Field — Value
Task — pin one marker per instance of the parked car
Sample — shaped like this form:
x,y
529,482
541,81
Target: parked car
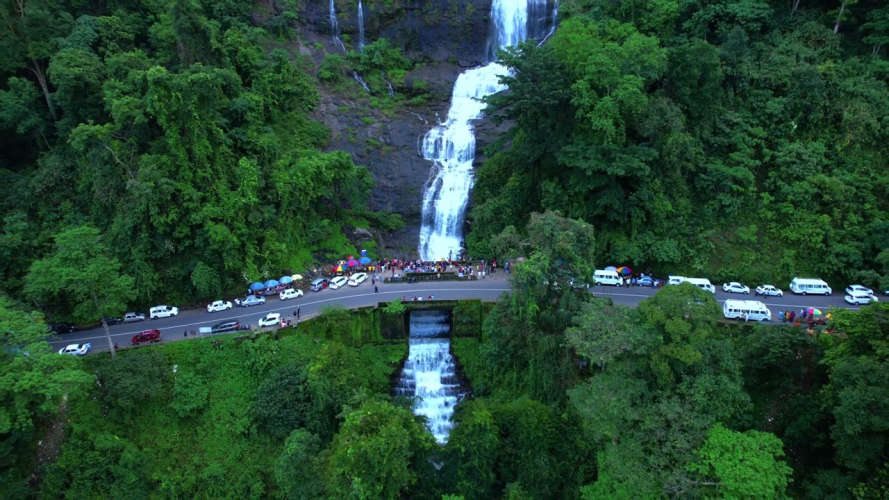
x,y
771,290
226,326
647,281
162,312
851,289
735,287
113,321
859,297
218,305
319,284
147,336
338,282
76,349
357,279
270,319
290,293
62,327
250,300
131,317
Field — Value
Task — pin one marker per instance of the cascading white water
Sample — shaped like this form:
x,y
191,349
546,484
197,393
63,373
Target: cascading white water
x,y
451,145
360,26
335,27
429,373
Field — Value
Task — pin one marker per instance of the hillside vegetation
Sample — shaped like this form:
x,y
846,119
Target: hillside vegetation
x,y
181,131
736,139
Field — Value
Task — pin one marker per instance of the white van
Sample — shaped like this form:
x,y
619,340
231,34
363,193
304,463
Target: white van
x,y
805,286
675,280
702,283
747,310
604,277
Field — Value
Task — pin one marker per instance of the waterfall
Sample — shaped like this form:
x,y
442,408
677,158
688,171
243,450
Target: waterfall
x,y
429,374
360,26
360,81
335,27
451,144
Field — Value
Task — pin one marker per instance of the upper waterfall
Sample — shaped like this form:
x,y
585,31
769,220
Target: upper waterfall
x,y
451,144
360,26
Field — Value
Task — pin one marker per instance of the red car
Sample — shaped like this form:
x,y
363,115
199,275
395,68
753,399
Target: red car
x,y
147,336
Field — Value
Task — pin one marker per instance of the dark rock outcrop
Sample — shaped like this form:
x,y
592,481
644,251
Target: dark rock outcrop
x,y
442,30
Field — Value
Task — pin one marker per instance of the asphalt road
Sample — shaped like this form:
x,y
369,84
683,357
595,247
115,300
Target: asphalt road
x,y
311,303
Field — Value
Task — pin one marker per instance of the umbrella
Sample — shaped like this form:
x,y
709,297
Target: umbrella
x,y
286,280
624,270
352,262
364,253
339,267
365,260
815,312
297,277
611,268
271,283
256,286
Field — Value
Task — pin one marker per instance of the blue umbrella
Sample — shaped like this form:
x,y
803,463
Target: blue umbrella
x,y
364,260
256,286
271,283
286,280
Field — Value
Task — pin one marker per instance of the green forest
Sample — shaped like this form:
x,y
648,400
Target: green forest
x,y
181,131
734,139
573,397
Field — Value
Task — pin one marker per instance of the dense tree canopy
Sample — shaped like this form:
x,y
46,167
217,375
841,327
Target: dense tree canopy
x,y
734,139
177,132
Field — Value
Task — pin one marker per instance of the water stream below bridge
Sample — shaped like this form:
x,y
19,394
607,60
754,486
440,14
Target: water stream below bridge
x,y
429,375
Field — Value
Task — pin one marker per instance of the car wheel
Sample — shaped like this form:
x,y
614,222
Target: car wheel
x,y
804,293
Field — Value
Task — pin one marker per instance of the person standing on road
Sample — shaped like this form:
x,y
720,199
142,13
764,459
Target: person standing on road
x,y
376,290
297,312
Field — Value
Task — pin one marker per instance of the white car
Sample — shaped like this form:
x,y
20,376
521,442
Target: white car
x,y
270,319
357,279
859,298
735,287
290,293
338,282
218,305
131,317
852,289
769,290
76,349
162,312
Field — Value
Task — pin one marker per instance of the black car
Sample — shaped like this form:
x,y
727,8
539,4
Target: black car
x,y
226,326
61,328
113,321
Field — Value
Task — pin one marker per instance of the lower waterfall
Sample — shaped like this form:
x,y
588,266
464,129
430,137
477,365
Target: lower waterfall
x,y
429,374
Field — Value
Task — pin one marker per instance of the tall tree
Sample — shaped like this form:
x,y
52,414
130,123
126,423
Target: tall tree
x,y
742,464
81,273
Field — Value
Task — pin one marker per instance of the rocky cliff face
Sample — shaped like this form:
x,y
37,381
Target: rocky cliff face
x,y
446,36
441,30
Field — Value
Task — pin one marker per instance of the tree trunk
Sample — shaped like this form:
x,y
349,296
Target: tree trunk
x,y
795,7
41,80
108,338
105,327
836,27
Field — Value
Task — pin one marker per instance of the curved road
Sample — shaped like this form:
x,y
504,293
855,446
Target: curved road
x,y
310,304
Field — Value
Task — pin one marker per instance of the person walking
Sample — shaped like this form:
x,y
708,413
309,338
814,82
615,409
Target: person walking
x,y
297,313
376,290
